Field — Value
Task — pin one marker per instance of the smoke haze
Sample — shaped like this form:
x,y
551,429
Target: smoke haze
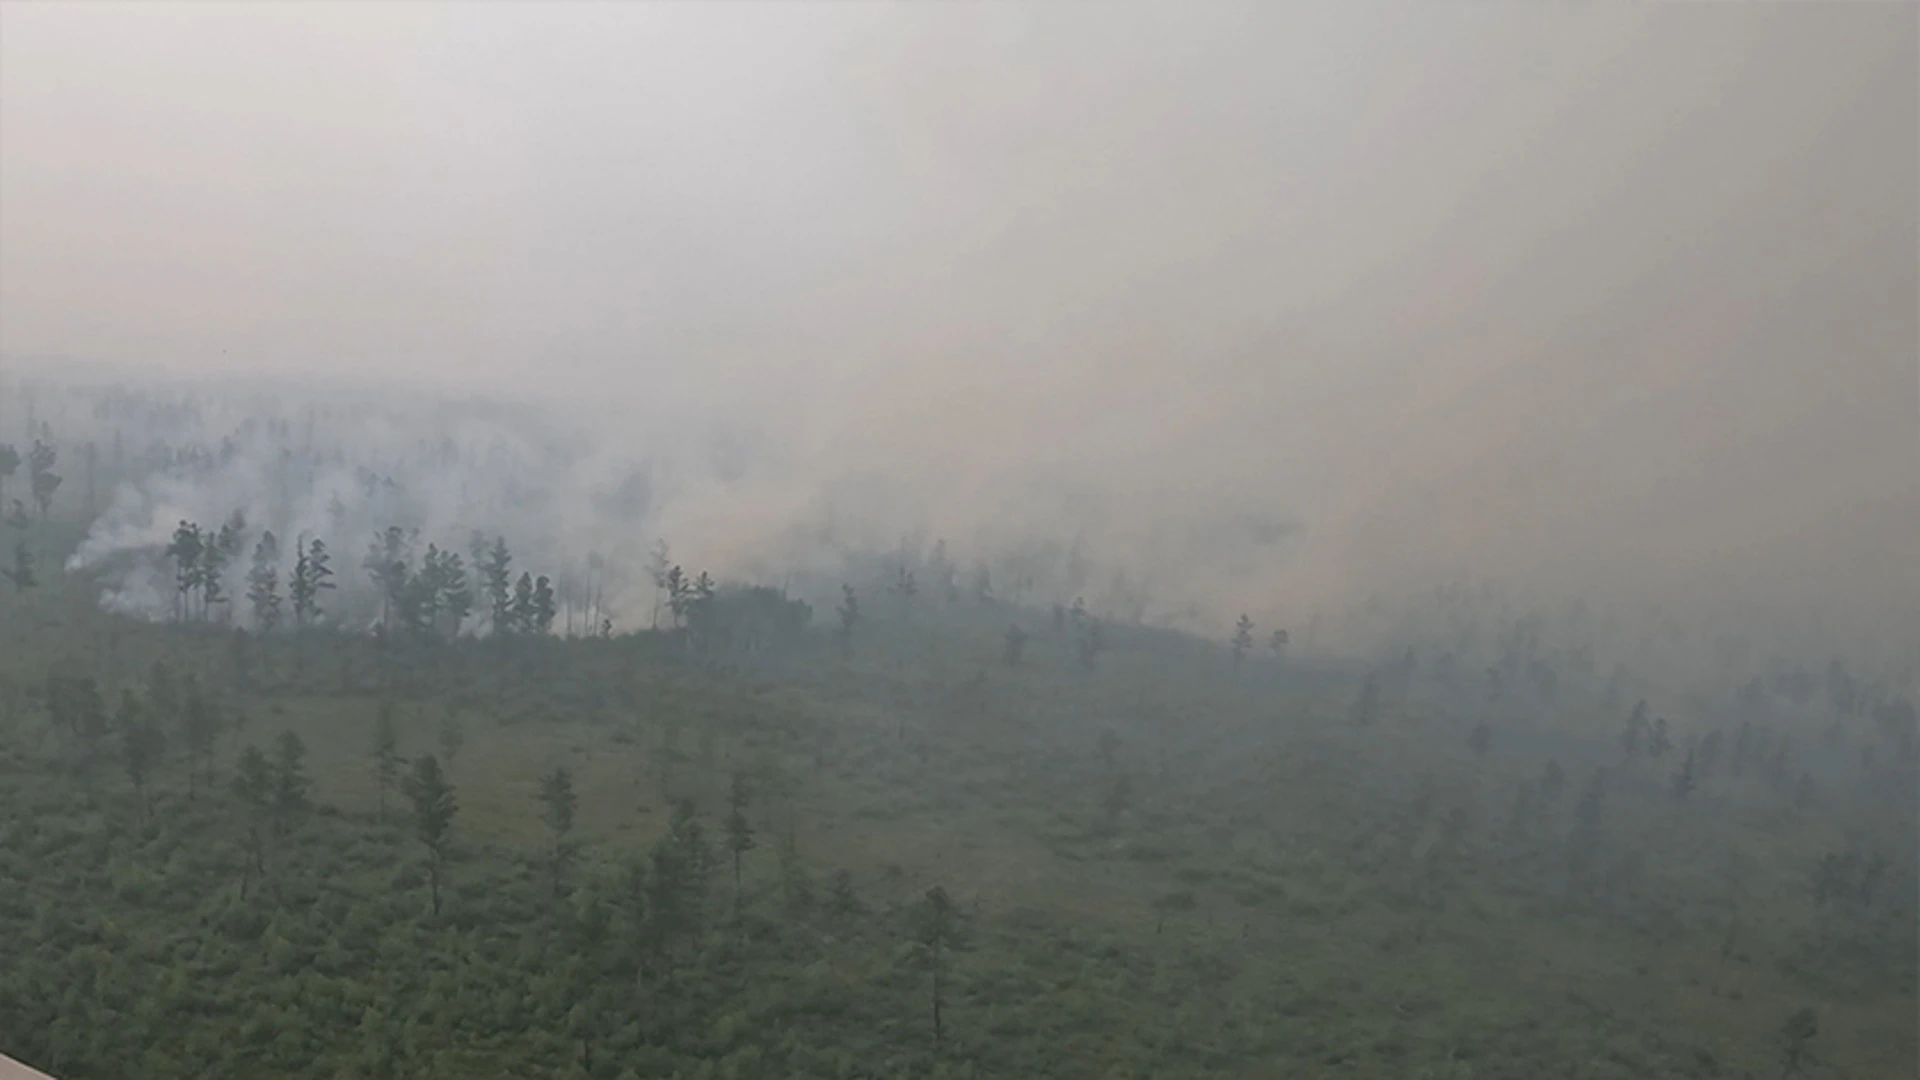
x,y
1272,307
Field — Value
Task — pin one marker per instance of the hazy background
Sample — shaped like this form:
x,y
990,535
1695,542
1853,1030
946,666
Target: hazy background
x,y
1276,305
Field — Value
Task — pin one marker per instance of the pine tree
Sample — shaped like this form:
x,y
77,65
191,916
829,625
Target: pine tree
x,y
558,805
936,934
433,810
849,612
287,783
42,479
543,609
263,583
521,617
1016,645
1242,639
254,784
496,576
739,832
185,551
142,744
386,751
22,573
1683,780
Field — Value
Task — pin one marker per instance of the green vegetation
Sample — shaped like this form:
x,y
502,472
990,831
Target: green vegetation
x,y
914,842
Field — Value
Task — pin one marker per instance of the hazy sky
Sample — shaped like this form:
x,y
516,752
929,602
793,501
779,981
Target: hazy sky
x,y
1609,294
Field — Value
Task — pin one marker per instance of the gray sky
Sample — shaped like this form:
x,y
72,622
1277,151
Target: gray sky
x,y
1609,295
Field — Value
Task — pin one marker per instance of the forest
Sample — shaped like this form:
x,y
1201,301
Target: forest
x,y
327,757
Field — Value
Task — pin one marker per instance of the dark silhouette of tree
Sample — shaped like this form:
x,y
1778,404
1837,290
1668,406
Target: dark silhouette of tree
x,y
9,464
1708,755
907,588
1366,707
386,751
1115,800
199,729
1277,643
287,799
982,585
189,572
936,934
388,564
1660,742
659,562
1583,845
841,899
1796,1033
681,862
427,789
520,617
543,609
42,480
1242,639
496,581
312,574
1684,780
558,805
22,572
1480,740
142,745
1090,639
452,737
739,831
213,568
255,785
849,612
1633,740
1015,645
263,583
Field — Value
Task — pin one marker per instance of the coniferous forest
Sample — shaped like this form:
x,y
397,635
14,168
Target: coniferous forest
x,y
378,802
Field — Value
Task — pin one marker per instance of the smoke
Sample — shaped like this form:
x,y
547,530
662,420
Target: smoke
x,y
1250,308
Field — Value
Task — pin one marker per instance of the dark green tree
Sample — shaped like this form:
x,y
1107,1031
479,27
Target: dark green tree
x,y
142,744
1683,779
254,784
558,804
849,612
9,464
1634,739
433,809
263,583
199,730
1242,639
1796,1035
386,751
42,479
22,573
1015,645
287,783
189,573
1277,643
936,934
739,832
453,736
1660,741
496,578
